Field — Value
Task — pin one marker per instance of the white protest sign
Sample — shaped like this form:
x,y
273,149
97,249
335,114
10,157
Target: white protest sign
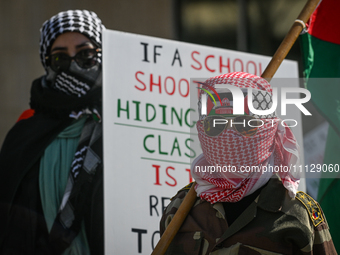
x,y
147,142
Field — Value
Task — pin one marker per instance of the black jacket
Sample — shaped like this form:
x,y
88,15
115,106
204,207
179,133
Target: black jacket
x,y
23,229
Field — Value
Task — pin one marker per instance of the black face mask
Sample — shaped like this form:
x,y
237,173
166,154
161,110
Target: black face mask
x,y
75,81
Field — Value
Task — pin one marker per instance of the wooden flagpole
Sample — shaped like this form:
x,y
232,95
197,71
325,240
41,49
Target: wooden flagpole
x,y
279,56
289,39
176,222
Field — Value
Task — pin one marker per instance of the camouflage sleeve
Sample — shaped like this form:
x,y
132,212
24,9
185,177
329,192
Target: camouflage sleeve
x,y
292,227
322,242
183,241
171,209
200,230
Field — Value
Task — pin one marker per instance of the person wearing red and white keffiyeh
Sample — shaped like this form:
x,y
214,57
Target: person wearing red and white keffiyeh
x,y
258,211
273,144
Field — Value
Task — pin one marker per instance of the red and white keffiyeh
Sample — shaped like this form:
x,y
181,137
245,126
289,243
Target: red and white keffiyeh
x,y
272,145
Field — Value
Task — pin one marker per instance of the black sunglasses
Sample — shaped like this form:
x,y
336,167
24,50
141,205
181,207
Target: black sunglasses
x,y
86,58
214,125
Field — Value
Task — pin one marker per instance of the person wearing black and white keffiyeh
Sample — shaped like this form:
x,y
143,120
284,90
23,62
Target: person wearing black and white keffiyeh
x,y
51,167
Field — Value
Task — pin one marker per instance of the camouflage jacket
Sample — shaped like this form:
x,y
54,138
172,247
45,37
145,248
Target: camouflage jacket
x,y
273,223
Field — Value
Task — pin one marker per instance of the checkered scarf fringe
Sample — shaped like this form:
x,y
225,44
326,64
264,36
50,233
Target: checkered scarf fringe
x,y
87,161
82,21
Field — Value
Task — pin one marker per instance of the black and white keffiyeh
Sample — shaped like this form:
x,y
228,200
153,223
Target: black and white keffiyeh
x,y
75,81
82,21
88,158
71,85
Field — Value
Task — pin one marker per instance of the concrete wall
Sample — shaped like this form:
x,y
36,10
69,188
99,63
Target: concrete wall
x,y
20,21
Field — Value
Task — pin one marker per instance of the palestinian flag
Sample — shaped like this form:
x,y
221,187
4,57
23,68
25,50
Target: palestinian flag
x,y
321,53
